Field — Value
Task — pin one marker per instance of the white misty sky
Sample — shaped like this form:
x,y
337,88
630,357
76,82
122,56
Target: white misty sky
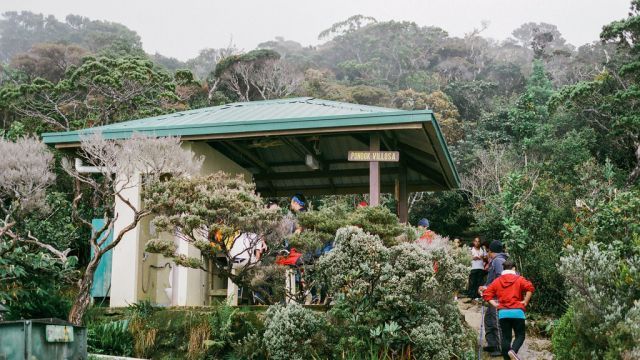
x,y
181,28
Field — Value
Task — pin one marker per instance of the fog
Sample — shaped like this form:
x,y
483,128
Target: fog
x,y
181,28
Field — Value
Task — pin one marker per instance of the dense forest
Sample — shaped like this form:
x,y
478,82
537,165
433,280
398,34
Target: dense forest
x,y
545,136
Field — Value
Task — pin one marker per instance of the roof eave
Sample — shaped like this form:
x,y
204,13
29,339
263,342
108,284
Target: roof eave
x,y
241,127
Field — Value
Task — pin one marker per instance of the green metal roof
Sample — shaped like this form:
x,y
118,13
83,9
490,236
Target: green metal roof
x,y
255,116
286,117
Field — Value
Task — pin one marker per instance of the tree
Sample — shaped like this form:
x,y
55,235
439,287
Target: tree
x,y
25,174
322,84
444,110
49,61
381,53
120,165
205,63
626,33
98,92
608,105
472,98
353,23
34,260
297,55
189,91
539,37
219,214
256,75
170,64
19,31
530,117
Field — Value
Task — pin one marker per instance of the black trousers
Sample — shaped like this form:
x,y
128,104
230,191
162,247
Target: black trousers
x,y
491,330
476,279
507,327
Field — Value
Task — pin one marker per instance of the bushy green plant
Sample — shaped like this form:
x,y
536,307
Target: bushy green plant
x,y
221,324
293,332
380,221
321,225
111,338
378,289
602,271
250,348
142,328
565,339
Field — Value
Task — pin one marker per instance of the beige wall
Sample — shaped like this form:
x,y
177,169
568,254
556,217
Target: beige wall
x,y
215,161
125,266
154,269
134,279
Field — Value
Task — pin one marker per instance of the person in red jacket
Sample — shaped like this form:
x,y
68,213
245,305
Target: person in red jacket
x,y
510,294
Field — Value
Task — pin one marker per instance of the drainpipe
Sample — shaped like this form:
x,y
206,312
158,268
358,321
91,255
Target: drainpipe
x,y
87,169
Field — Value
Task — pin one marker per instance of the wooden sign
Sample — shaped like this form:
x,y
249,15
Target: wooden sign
x,y
386,156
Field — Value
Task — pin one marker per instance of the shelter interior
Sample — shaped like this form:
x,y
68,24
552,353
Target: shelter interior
x,y
285,146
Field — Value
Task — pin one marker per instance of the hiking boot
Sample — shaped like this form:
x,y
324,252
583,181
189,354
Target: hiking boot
x,y
495,353
489,348
512,355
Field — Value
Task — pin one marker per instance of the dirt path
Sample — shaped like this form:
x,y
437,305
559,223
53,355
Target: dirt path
x,y
533,348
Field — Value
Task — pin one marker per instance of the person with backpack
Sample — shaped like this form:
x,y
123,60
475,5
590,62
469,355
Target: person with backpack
x,y
510,294
491,330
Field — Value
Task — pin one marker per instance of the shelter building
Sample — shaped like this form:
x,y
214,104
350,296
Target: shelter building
x,y
285,146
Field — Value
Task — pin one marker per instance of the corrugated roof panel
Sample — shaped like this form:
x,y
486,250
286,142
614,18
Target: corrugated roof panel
x,y
270,115
259,125
254,110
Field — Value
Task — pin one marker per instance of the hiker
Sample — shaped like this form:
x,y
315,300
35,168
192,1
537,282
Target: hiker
x,y
424,234
425,240
477,273
513,293
289,222
491,331
288,256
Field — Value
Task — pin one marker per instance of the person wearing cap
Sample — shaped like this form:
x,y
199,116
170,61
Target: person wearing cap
x,y
491,327
297,205
513,293
425,235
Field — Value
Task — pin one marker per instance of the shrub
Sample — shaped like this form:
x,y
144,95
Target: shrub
x,y
220,329
292,332
431,342
601,267
378,289
565,339
321,225
112,338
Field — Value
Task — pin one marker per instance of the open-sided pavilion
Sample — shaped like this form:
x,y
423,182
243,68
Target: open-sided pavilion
x,y
285,146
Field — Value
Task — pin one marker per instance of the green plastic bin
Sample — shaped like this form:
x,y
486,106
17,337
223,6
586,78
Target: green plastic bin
x,y
42,339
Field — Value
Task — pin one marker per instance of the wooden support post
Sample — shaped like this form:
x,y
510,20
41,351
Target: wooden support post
x,y
290,286
232,290
402,195
374,172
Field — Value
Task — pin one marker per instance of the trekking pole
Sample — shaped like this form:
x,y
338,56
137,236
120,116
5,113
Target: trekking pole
x,y
481,331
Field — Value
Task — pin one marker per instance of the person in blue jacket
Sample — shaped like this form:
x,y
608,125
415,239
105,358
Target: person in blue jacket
x,y
497,257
